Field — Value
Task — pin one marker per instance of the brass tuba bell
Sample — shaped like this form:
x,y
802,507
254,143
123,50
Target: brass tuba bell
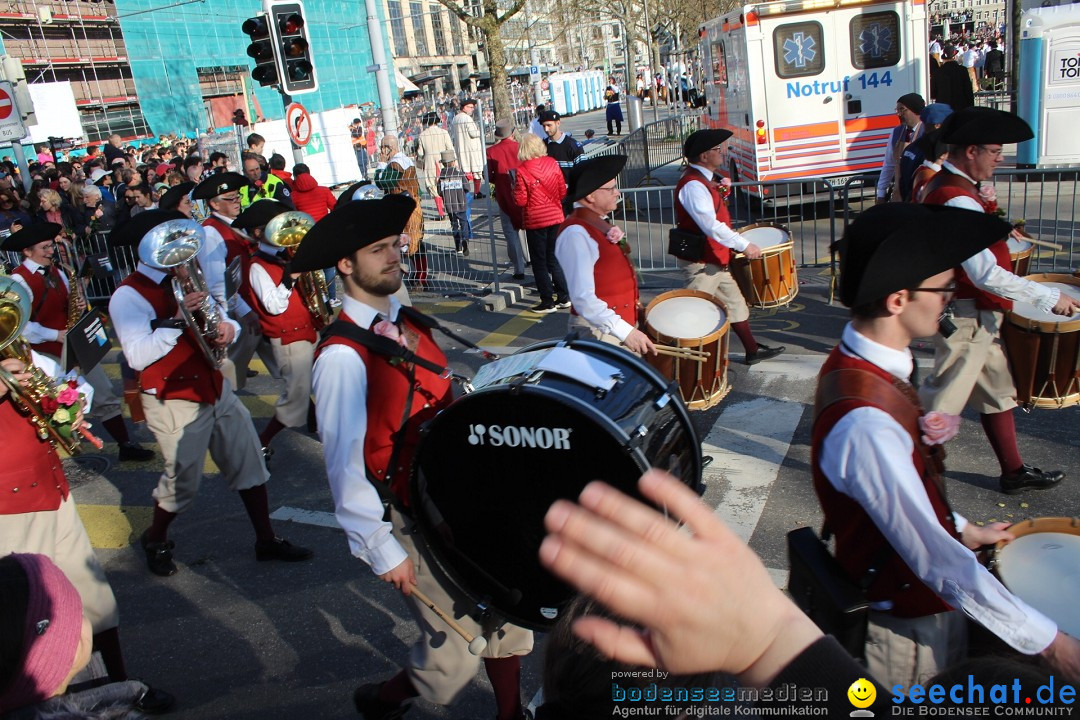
x,y
286,231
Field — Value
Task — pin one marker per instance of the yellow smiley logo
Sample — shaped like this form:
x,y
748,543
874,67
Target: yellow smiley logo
x,y
862,693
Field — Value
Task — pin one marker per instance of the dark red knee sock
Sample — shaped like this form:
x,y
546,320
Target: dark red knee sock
x,y
117,429
505,676
258,509
107,643
272,428
1000,430
478,181
746,337
397,689
159,528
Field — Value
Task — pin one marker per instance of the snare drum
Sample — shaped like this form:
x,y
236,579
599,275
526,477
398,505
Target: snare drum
x,y
539,426
1020,252
769,281
1042,567
1044,350
698,321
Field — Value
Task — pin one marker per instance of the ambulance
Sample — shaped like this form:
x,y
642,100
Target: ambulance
x,y
809,87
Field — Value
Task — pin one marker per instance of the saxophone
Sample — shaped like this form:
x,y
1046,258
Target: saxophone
x,y
77,304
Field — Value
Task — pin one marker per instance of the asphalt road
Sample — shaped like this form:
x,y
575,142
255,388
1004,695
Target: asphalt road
x,y
233,638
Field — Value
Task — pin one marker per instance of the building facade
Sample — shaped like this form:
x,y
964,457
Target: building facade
x,y
433,48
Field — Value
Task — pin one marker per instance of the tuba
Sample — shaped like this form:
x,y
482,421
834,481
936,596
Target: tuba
x,y
286,231
14,312
173,245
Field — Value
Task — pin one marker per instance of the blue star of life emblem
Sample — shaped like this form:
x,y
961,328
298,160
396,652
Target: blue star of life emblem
x,y
799,50
875,40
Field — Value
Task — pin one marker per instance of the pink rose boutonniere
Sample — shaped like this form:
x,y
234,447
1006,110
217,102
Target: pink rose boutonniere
x,y
387,329
939,428
725,188
615,234
988,196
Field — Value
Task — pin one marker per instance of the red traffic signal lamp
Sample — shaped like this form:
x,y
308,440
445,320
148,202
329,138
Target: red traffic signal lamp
x,y
296,66
261,50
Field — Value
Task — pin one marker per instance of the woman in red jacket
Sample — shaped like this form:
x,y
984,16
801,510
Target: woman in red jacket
x,y
540,188
317,201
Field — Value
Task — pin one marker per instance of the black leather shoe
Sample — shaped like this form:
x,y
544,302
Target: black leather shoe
x,y
135,453
278,549
252,373
158,555
1029,478
764,352
367,702
155,701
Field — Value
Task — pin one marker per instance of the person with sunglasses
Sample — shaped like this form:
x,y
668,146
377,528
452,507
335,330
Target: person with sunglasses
x,y
877,462
970,368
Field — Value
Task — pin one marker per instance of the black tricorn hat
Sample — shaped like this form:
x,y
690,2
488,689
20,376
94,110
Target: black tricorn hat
x,y
589,175
170,199
702,140
259,213
133,231
931,145
350,227
31,235
219,184
896,246
981,125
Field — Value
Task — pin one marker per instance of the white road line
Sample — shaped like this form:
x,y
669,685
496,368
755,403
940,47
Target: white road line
x,y
307,517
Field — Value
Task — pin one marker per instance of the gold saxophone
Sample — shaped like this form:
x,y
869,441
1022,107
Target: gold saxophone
x,y
14,312
77,303
286,231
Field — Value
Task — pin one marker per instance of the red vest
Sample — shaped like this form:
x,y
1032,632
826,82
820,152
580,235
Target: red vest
x,y
613,274
49,307
295,323
31,478
183,373
859,543
945,186
387,389
715,253
236,246
919,180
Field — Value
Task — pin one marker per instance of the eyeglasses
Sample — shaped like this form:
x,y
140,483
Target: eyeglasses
x,y
613,188
230,199
996,153
949,289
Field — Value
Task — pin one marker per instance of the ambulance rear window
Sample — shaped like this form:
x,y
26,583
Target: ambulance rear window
x,y
875,40
799,49
720,64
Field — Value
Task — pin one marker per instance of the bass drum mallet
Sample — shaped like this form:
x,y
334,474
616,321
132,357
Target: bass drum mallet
x,y
477,643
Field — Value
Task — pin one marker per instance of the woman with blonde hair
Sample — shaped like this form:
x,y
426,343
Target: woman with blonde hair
x,y
539,189
396,175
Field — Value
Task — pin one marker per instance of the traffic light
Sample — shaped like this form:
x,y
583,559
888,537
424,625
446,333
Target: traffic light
x,y
262,50
295,64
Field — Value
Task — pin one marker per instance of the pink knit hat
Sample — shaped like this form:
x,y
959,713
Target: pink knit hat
x,y
51,639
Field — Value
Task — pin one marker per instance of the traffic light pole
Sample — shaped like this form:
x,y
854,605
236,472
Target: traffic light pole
x,y
297,151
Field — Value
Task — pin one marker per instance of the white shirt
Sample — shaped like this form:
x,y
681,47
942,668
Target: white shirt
x,y
968,58
35,332
859,457
274,297
212,261
986,274
697,201
577,254
131,314
52,368
339,381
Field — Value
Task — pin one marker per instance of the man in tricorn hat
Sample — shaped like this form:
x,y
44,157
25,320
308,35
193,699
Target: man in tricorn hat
x,y
970,366
225,244
596,260
188,404
700,207
877,463
362,392
286,322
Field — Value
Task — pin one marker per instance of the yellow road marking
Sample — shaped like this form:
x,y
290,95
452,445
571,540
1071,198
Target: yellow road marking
x,y
111,527
510,330
448,307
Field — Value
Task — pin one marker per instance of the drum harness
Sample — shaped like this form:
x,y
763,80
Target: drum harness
x,y
397,354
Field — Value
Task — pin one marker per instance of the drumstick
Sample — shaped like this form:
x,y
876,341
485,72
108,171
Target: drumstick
x,y
477,643
685,353
1043,243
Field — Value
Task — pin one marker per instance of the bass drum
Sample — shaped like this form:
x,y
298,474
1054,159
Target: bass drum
x,y
540,426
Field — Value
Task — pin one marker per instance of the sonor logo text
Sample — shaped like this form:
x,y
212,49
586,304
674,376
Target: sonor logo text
x,y
520,436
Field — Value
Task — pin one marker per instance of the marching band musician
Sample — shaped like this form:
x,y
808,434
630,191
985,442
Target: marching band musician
x,y
361,397
599,275
47,329
970,367
38,515
700,207
284,318
189,407
876,461
221,193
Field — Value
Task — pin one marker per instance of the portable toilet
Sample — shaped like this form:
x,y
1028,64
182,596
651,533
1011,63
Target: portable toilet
x,y
1049,85
560,103
570,86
